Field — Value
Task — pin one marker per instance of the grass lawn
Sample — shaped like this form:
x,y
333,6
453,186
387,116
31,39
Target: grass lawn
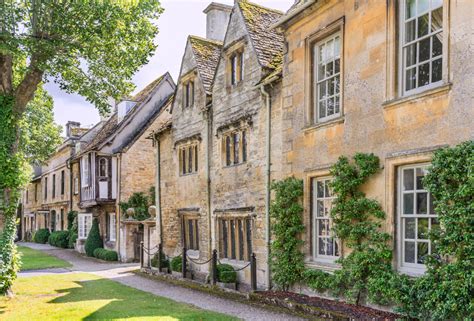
x,y
37,260
80,296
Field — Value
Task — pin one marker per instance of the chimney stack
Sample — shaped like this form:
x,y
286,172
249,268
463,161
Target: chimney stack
x,y
70,128
218,16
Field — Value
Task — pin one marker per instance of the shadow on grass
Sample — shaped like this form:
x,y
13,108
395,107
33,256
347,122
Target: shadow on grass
x,y
126,302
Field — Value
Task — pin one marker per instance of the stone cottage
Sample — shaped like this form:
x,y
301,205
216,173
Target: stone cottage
x,y
386,77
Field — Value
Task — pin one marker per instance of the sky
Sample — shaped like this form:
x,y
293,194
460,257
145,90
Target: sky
x,y
180,19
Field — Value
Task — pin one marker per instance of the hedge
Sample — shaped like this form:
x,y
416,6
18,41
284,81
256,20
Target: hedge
x,y
94,241
226,273
106,255
59,239
177,264
41,236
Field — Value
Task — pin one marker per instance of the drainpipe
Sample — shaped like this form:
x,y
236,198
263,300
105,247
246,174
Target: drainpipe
x,y
158,189
267,183
117,202
208,174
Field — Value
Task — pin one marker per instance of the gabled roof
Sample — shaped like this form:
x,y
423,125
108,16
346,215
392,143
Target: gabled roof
x,y
207,53
141,128
112,125
268,43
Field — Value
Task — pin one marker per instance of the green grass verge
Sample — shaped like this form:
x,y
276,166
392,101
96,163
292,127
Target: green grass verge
x,y
38,260
81,296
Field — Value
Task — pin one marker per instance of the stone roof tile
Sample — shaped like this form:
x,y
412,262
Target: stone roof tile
x,y
207,53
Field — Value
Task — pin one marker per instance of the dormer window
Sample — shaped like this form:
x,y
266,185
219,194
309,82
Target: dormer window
x,y
236,67
103,167
188,93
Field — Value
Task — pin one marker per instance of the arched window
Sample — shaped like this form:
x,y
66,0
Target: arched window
x,y
103,167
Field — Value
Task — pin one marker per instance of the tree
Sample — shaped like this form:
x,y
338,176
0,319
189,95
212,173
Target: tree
x,y
88,47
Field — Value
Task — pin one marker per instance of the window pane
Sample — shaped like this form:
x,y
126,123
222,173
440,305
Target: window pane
x,y
423,6
410,8
322,109
330,107
410,79
421,203
337,105
424,74
422,252
322,90
320,208
420,174
327,193
408,179
410,29
321,246
408,203
437,48
410,225
337,66
329,69
437,18
424,50
422,229
321,228
410,252
436,70
423,25
320,188
411,54
330,247
321,71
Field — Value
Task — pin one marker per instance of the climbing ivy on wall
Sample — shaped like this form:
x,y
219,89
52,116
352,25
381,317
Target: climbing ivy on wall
x,y
286,212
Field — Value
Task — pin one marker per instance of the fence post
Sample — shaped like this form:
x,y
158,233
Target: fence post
x,y
141,254
160,253
214,267
253,272
184,263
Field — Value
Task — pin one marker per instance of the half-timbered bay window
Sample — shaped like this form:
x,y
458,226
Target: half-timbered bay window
x,y
421,33
235,238
188,93
416,217
84,224
236,67
327,78
85,169
325,244
103,167
235,147
188,159
191,232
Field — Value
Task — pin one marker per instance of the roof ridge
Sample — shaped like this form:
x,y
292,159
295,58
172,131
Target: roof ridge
x,y
218,43
147,89
262,7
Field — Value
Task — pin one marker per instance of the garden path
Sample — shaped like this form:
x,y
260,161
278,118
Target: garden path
x,y
121,272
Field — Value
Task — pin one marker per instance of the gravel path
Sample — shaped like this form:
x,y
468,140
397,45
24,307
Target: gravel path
x,y
121,272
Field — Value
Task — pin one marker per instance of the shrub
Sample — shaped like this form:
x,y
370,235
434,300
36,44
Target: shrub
x,y
59,239
106,255
72,240
177,264
164,262
226,273
41,236
94,240
72,228
139,202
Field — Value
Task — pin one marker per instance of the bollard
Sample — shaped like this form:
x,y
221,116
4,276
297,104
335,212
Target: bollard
x,y
214,267
141,254
253,272
160,253
184,263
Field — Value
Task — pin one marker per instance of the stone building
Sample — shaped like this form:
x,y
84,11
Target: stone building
x,y
112,166
48,198
383,77
214,156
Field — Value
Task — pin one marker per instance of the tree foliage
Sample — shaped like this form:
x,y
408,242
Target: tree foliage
x,y
92,48
94,240
286,212
140,203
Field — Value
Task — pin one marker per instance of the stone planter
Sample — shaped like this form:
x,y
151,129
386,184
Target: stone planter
x,y
230,286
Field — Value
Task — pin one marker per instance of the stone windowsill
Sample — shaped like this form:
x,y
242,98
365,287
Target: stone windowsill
x,y
332,122
429,92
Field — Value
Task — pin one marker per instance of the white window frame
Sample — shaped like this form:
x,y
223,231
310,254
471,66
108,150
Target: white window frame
x,y
83,225
316,221
112,227
404,267
316,82
85,178
403,57
76,185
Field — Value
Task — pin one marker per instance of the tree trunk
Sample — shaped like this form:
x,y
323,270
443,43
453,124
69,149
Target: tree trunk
x,y
6,65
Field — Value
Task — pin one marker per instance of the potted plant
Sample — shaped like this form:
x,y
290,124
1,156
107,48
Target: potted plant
x,y
177,266
161,261
226,276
